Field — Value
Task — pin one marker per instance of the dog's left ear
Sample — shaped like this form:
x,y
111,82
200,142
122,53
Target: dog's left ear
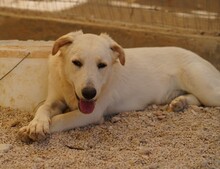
x,y
64,40
120,52
116,48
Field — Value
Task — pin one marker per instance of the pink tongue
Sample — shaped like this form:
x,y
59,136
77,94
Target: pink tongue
x,y
86,107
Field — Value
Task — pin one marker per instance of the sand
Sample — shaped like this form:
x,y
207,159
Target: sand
x,y
151,139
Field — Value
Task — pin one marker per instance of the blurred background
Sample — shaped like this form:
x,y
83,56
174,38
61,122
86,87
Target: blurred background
x,y
198,15
194,25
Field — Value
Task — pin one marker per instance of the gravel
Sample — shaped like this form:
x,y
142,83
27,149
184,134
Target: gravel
x,y
151,139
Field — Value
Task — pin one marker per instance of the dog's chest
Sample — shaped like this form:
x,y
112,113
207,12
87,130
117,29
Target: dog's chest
x,y
71,102
70,97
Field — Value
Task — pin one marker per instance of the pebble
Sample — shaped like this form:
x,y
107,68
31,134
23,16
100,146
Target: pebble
x,y
194,112
165,107
110,128
207,109
115,119
158,113
149,114
38,159
152,124
14,123
161,117
154,106
145,151
4,148
153,166
195,108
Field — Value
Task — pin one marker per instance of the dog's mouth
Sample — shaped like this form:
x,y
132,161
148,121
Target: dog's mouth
x,y
86,106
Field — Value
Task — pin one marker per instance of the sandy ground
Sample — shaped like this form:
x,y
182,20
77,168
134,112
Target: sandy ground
x,y
151,139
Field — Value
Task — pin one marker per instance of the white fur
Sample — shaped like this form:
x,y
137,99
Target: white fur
x,y
150,76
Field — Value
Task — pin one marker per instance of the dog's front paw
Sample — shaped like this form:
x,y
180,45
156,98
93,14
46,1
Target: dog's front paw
x,y
37,130
178,104
23,134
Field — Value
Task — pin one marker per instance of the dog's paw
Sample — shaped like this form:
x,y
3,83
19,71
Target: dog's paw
x,y
178,104
37,130
23,134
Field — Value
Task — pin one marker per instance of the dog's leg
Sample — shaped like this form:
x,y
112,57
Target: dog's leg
x,y
203,81
39,126
182,102
74,119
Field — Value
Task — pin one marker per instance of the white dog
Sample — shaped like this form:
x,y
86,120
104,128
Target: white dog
x,y
93,76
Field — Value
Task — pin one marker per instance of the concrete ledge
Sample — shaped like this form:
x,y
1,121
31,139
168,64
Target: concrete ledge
x,y
15,48
26,86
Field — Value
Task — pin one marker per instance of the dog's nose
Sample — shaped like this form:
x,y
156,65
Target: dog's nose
x,y
89,93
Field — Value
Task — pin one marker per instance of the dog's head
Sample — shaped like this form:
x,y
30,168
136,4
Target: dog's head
x,y
88,60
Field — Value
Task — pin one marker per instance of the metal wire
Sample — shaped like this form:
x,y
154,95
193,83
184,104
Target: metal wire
x,y
187,14
15,66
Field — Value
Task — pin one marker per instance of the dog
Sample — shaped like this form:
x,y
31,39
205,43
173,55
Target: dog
x,y
92,76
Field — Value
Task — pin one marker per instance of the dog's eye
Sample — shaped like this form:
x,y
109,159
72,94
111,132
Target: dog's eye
x,y
77,63
101,65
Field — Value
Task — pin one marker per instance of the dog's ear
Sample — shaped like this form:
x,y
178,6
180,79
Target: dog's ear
x,y
115,47
64,40
120,52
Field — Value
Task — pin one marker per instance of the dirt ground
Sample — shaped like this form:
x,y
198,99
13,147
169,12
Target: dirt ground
x,y
151,139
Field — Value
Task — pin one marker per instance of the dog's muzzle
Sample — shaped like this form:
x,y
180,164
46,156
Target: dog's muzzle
x,y
87,104
89,93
